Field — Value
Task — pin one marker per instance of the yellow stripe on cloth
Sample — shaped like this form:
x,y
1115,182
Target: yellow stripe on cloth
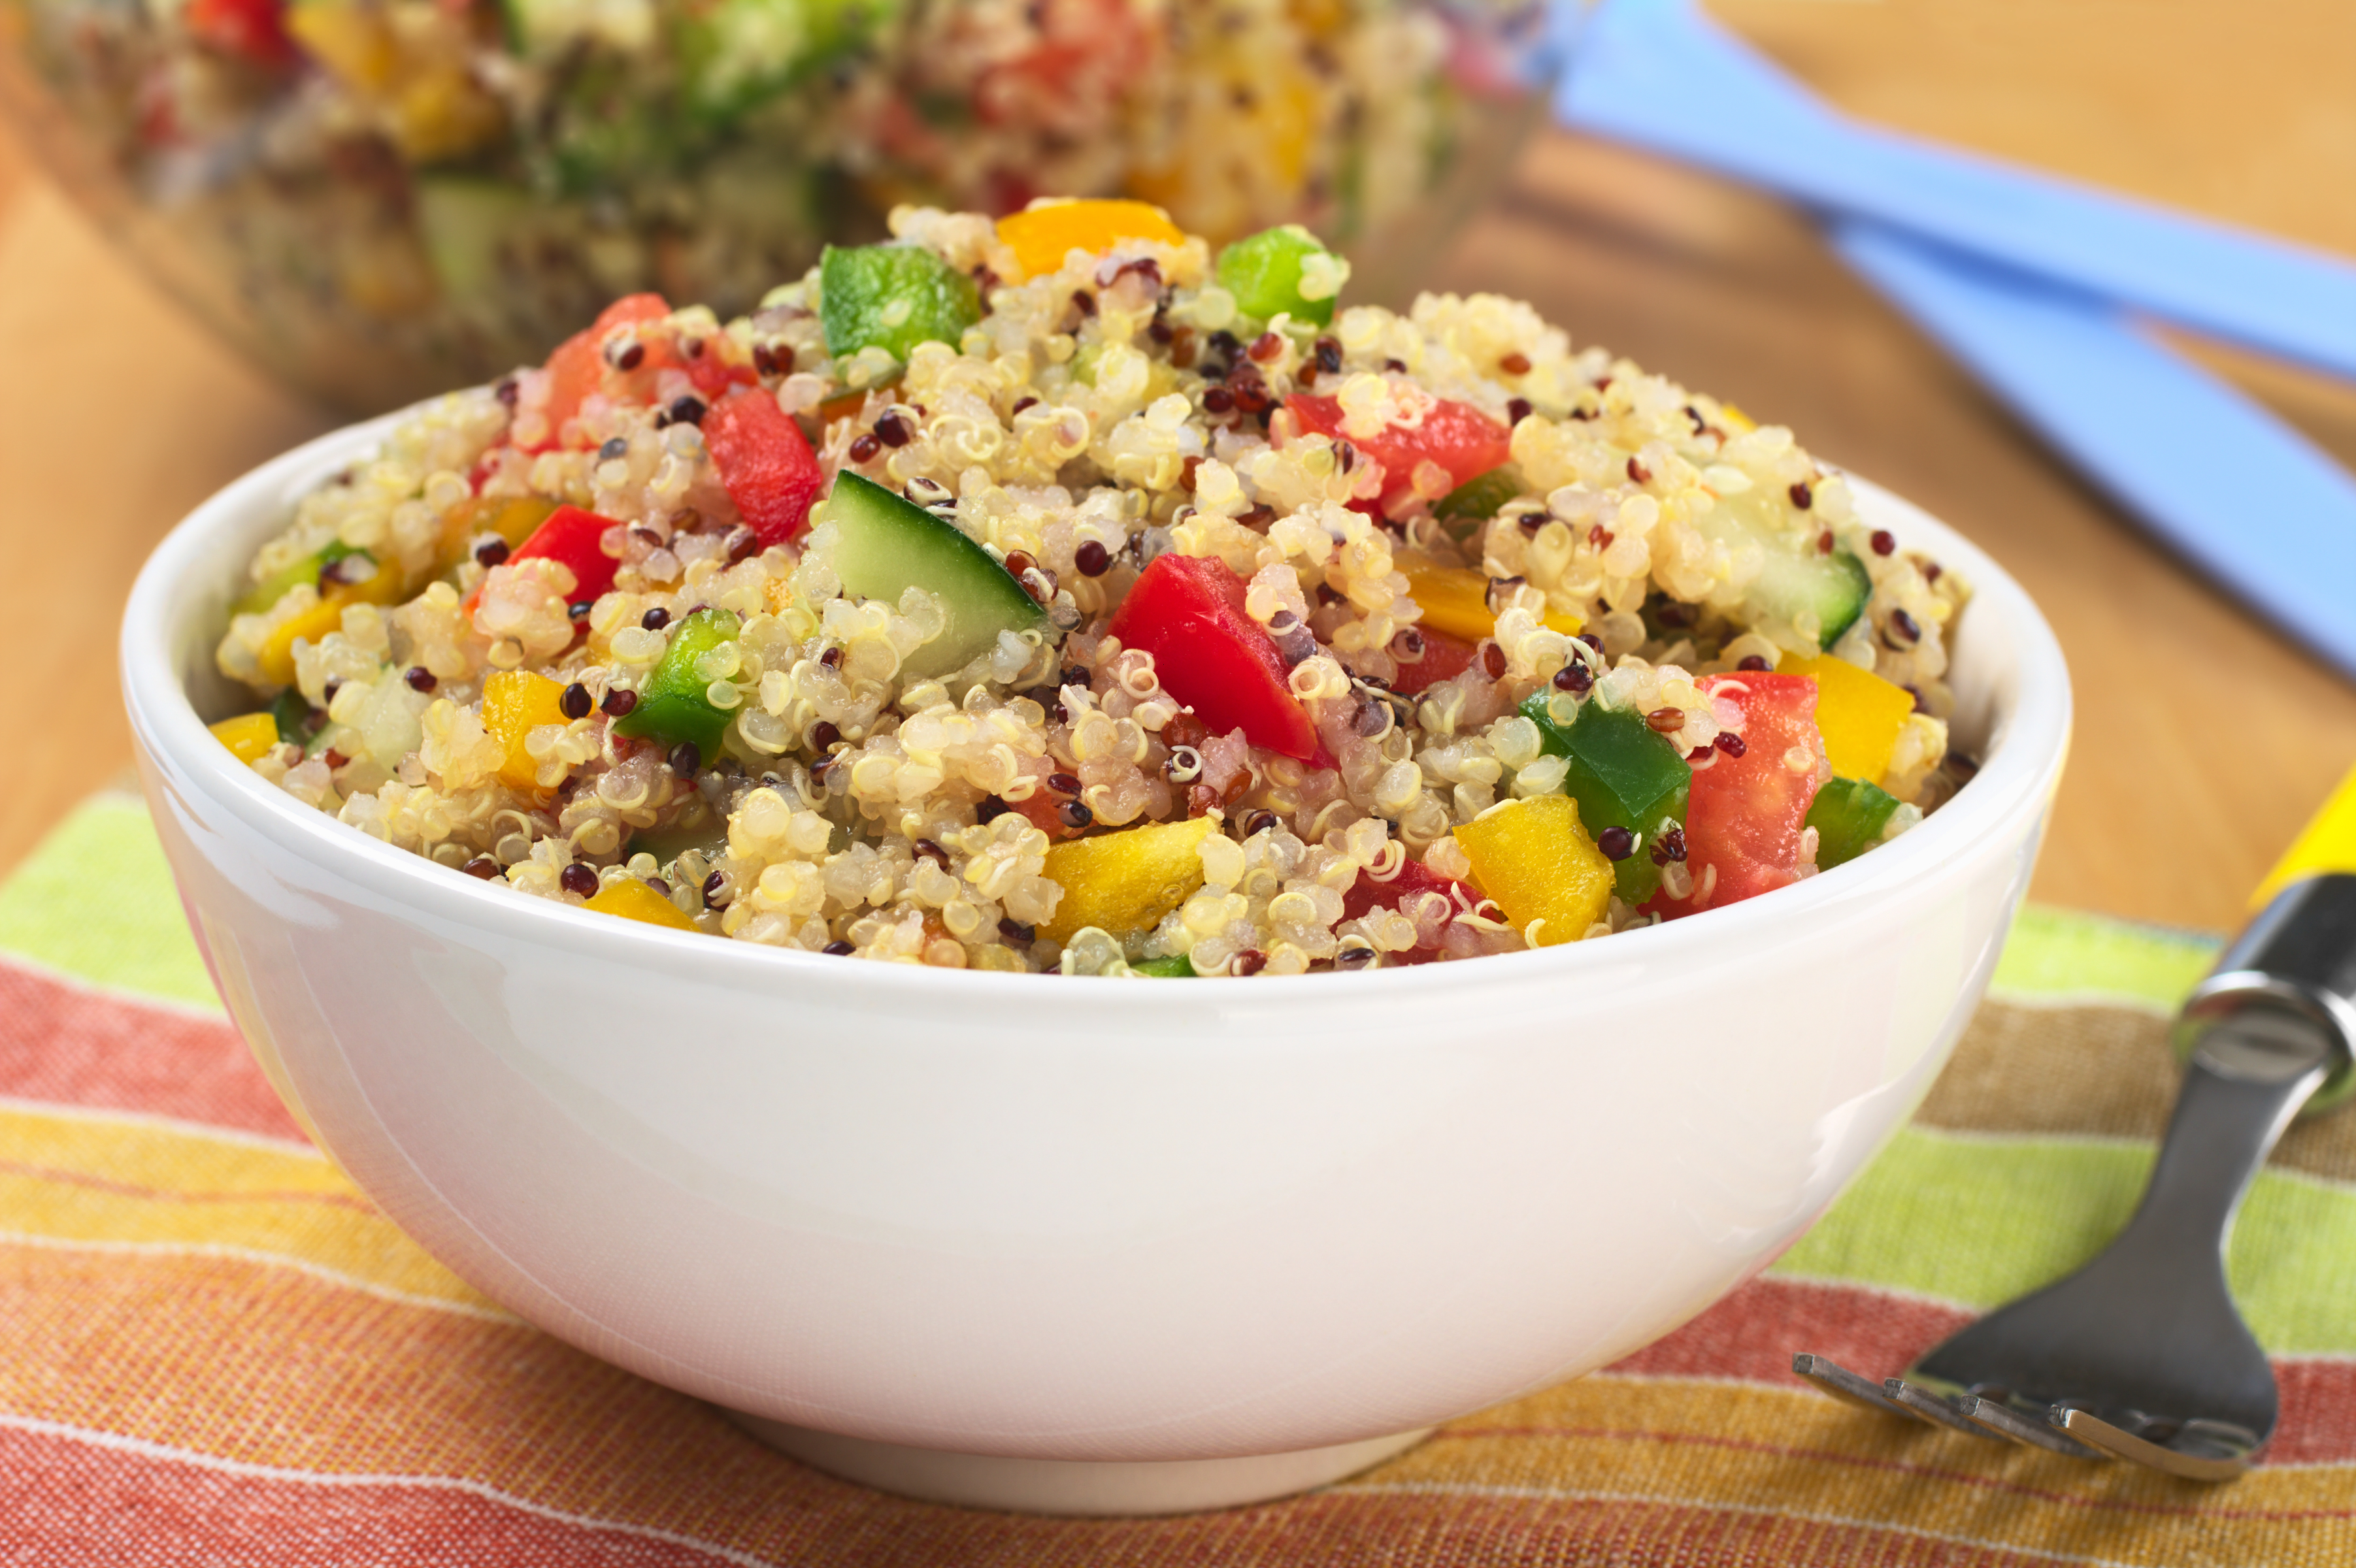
x,y
77,1178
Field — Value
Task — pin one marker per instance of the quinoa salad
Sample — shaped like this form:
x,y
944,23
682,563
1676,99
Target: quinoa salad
x,y
1063,595
390,196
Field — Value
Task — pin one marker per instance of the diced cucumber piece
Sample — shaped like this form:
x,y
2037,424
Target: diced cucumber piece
x,y
739,54
1848,815
893,297
1176,967
672,706
1799,583
1463,510
1623,774
890,545
1266,272
267,592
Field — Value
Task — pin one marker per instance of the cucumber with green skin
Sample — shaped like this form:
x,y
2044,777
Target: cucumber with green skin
x,y
1798,579
1178,966
890,545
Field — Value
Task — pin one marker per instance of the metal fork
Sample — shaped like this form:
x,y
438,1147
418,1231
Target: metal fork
x,y
2140,1354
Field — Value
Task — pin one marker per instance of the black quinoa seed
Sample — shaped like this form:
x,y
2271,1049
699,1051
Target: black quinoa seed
x,y
1075,816
1493,661
1517,410
1730,743
420,679
579,878
660,886
1092,557
685,759
1395,367
1250,961
1015,932
743,544
1329,354
1023,402
1064,784
1617,843
1884,541
330,690
1574,677
687,409
579,608
714,887
929,850
656,619
1258,822
632,356
1372,718
1669,847
620,702
837,949
482,866
1084,302
1903,632
1354,958
614,448
1218,400
1752,662
863,448
824,734
505,391
1803,495
1225,342
991,809
891,429
491,552
576,702
832,657
1638,473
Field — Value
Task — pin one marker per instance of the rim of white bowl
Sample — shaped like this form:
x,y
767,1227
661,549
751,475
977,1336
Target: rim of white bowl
x,y
2017,771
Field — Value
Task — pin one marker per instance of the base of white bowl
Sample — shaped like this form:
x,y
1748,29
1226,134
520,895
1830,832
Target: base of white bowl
x,y
1075,1486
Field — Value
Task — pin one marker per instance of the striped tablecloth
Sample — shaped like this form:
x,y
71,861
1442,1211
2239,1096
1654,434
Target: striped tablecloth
x,y
214,1350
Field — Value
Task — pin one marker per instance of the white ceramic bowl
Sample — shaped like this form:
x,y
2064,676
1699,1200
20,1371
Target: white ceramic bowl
x,y
1082,1244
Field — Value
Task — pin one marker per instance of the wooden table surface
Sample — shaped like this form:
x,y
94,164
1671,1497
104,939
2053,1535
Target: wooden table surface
x,y
2202,737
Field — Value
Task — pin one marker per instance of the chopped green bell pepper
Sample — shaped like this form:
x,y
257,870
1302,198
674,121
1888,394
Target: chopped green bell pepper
x,y
1263,271
1623,774
893,297
1178,966
1850,815
672,706
1463,510
273,588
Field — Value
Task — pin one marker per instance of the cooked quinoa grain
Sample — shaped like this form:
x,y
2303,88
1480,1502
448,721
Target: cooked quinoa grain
x,y
1217,627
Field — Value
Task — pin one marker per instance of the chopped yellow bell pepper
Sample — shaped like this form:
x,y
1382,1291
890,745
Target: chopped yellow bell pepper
x,y
1736,420
1537,865
1455,598
276,658
1859,713
631,899
247,736
515,703
513,517
1044,236
2326,844
354,43
1126,881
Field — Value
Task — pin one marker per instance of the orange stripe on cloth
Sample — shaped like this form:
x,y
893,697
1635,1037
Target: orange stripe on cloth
x,y
74,1045
114,1500
241,1363
131,1504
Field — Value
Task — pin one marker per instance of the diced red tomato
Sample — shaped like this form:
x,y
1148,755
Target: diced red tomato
x,y
1460,438
571,536
1747,813
254,29
766,468
1444,658
1188,613
578,366
1365,895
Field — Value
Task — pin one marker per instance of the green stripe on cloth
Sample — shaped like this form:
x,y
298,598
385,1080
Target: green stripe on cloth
x,y
2057,955
1978,1219
95,901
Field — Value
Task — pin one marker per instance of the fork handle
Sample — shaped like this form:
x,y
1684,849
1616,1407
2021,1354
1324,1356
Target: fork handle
x,y
2269,1027
2247,1079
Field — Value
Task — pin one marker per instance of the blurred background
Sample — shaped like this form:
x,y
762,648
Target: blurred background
x,y
2204,736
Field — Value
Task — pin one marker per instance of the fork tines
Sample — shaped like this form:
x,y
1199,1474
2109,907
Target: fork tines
x,y
1976,1417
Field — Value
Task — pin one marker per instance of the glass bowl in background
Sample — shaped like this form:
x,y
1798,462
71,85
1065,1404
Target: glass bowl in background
x,y
379,198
